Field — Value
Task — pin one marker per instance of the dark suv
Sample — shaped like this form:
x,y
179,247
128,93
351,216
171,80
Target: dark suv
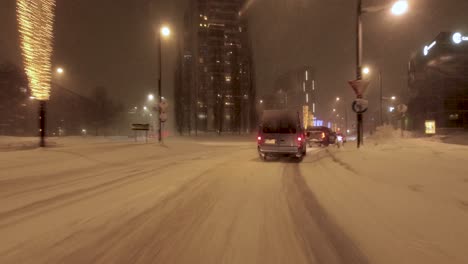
x,y
321,136
281,134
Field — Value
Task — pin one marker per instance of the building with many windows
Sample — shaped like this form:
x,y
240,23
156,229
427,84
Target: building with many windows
x,y
296,90
438,83
215,92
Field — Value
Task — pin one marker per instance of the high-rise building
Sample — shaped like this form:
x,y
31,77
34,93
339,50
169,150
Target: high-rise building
x,y
296,90
438,83
216,91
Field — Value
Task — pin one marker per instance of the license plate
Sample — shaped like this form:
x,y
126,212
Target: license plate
x,y
270,141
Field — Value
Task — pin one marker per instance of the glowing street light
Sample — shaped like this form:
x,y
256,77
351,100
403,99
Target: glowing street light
x,y
400,7
334,110
145,108
150,97
59,70
165,31
393,98
366,71
338,99
261,101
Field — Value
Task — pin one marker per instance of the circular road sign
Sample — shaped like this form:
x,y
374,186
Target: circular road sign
x,y
360,106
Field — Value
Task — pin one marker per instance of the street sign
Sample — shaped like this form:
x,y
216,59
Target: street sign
x,y
430,127
360,106
163,117
402,108
359,87
163,105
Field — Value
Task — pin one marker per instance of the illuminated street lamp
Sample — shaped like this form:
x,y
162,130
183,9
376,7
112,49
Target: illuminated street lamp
x,y
393,98
366,71
398,8
343,102
150,97
164,32
59,70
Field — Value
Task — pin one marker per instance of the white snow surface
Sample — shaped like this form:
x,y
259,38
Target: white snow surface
x,y
211,200
404,200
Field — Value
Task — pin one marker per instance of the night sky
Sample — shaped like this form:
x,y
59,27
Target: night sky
x,y
112,42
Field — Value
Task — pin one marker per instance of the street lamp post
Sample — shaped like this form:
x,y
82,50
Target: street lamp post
x,y
358,67
164,32
381,97
42,123
343,100
398,8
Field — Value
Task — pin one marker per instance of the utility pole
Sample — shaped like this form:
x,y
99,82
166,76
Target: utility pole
x,y
381,97
160,88
360,129
42,123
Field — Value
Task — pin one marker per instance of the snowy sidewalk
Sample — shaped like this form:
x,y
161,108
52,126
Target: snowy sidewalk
x,y
403,200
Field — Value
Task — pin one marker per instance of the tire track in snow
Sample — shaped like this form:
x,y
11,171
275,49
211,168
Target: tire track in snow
x,y
323,240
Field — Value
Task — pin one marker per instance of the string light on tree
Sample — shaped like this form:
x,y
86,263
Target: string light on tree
x,y
36,20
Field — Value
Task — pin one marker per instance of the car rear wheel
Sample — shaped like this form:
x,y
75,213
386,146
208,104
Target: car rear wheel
x,y
299,159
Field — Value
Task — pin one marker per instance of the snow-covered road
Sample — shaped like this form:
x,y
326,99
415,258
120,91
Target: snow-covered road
x,y
214,201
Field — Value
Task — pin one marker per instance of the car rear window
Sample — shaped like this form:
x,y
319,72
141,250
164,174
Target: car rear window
x,y
280,126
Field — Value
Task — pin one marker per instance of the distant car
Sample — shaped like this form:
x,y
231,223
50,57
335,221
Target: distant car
x,y
321,136
281,134
340,139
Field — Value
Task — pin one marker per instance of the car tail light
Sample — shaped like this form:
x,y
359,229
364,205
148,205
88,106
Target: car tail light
x,y
300,140
259,139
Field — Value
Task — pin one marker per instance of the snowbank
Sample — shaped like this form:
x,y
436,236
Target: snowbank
x,y
404,200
